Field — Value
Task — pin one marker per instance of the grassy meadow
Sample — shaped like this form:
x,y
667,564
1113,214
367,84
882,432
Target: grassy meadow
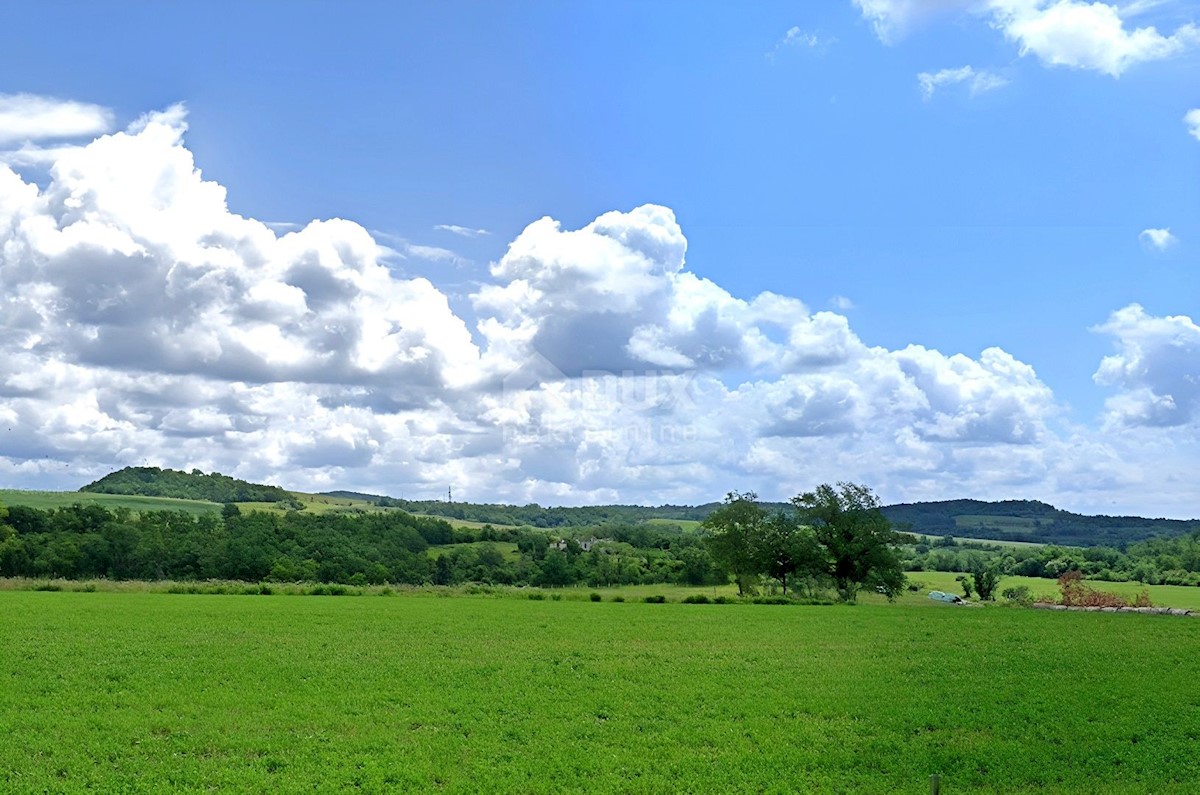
x,y
44,500
146,692
1182,596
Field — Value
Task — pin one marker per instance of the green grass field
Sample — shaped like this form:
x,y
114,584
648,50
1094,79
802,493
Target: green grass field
x,y
990,541
1013,524
687,525
138,692
59,499
1182,596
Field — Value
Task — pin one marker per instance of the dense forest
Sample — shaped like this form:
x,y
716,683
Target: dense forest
x,y
535,515
86,541
194,485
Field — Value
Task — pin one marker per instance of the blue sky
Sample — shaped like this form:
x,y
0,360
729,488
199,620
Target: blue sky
x,y
957,175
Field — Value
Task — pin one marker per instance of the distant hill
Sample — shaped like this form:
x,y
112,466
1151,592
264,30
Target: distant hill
x,y
194,485
1029,520
1008,520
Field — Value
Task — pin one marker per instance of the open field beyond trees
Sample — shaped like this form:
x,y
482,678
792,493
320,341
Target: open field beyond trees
x,y
46,500
147,692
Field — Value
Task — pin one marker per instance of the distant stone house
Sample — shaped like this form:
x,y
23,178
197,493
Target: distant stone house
x,y
585,544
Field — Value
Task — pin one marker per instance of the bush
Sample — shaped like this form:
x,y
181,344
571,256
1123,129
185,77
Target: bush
x,y
697,599
656,599
595,597
1019,594
328,590
618,598
537,596
47,586
556,597
1076,594
722,600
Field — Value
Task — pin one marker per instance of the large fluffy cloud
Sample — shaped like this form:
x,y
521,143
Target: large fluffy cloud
x,y
1156,367
130,260
1086,35
142,322
1072,33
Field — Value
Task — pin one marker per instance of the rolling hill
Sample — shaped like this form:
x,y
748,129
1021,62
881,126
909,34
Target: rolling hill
x,y
151,488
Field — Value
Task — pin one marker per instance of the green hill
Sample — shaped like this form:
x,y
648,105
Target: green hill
x,y
194,485
1009,520
1031,521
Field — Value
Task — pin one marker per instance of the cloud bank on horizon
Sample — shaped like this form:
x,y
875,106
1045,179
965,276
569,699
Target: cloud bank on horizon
x,y
143,322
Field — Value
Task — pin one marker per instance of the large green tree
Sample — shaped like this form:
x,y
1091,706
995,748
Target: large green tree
x,y
734,537
857,538
786,548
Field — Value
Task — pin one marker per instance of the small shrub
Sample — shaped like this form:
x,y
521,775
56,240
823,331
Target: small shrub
x,y
697,599
47,586
556,597
656,599
537,596
1019,594
595,597
723,600
618,598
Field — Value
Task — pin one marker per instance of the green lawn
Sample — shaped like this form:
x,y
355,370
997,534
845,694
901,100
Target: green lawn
x,y
137,692
58,499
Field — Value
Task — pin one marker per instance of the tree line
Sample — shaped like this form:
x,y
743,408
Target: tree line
x,y
91,541
1155,561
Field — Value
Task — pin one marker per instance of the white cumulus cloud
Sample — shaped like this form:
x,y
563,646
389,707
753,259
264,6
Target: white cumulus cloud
x,y
1071,33
29,117
143,322
1160,239
1192,120
1156,368
1086,35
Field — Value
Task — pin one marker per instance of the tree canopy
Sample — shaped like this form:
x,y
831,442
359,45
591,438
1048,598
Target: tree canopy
x,y
858,539
194,485
836,534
